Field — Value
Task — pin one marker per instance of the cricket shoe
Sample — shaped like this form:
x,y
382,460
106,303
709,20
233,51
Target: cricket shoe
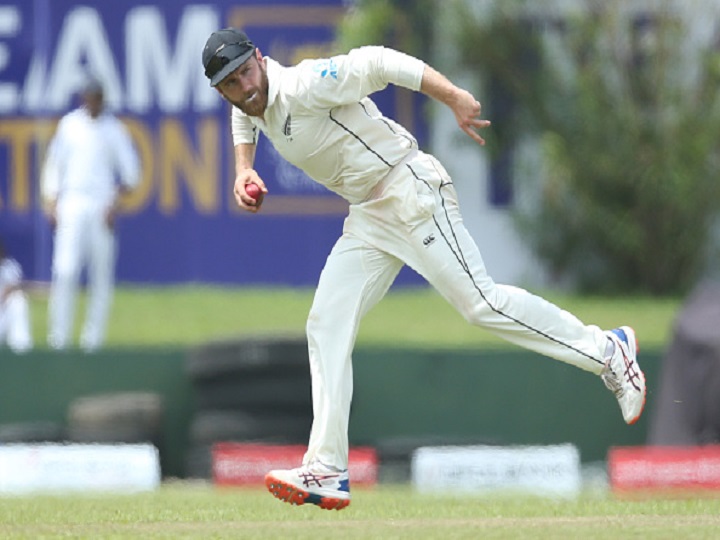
x,y
314,484
622,374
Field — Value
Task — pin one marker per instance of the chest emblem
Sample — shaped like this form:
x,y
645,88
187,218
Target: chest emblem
x,y
326,68
287,127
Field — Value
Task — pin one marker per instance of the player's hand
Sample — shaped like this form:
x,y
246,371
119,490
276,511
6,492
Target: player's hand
x,y
51,212
467,113
110,215
245,201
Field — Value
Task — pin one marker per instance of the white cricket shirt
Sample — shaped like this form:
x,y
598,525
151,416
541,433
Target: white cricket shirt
x,y
320,119
85,155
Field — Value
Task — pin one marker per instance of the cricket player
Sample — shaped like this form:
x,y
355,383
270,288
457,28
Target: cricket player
x,y
14,309
403,210
90,151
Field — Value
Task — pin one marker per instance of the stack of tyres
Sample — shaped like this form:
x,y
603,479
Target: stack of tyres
x,y
31,432
252,390
117,418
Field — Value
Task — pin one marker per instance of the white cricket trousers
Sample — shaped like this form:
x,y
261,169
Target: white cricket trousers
x,y
412,217
15,323
81,238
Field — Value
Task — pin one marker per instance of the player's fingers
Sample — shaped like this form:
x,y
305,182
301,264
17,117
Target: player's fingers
x,y
252,208
476,122
257,180
243,200
474,135
250,176
252,205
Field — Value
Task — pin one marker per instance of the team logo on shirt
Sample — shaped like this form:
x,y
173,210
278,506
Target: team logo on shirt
x,y
287,127
326,67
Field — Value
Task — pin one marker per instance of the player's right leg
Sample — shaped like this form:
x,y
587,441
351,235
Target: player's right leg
x,y
68,254
101,279
355,277
322,486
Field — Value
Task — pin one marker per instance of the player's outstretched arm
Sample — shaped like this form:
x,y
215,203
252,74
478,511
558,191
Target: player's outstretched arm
x,y
246,174
462,103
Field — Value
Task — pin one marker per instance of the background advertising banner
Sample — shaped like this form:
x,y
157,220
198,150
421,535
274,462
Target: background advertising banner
x,y
181,224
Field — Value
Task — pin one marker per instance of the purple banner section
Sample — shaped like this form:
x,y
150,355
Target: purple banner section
x,y
181,224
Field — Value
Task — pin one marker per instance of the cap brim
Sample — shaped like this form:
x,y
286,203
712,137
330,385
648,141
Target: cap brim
x,y
230,67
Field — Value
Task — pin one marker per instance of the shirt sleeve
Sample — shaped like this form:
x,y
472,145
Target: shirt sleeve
x,y
243,130
51,177
127,159
351,77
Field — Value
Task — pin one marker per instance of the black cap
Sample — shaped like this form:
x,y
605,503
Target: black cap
x,y
225,50
92,86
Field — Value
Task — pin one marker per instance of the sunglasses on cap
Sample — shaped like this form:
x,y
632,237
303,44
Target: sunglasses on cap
x,y
226,54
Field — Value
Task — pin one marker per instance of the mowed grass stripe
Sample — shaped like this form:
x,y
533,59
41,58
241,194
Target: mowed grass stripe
x,y
410,317
638,526
386,512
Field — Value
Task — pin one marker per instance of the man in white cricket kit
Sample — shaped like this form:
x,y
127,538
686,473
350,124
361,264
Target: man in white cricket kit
x,y
14,309
89,151
403,210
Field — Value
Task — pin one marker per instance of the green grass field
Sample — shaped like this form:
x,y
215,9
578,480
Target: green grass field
x,y
179,316
196,511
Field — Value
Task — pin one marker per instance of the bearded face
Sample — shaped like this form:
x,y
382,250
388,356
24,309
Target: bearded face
x,y
247,87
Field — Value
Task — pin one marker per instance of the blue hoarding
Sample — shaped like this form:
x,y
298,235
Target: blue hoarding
x,y
181,224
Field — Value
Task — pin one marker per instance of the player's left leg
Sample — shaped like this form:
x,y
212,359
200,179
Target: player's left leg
x,y
454,266
515,314
434,241
355,277
526,319
101,278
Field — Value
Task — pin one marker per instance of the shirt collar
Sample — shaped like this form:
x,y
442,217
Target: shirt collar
x,y
273,74
84,111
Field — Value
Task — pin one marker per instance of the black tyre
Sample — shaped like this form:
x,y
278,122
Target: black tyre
x,y
270,355
116,417
258,393
224,426
198,462
31,432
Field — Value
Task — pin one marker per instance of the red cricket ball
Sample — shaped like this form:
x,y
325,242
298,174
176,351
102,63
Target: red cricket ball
x,y
253,190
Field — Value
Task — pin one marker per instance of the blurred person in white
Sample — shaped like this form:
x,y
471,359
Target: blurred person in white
x,y
89,153
14,309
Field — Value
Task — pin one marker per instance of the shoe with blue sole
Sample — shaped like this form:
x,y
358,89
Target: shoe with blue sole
x,y
622,374
320,486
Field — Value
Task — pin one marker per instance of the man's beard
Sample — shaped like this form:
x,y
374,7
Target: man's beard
x,y
258,104
256,107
